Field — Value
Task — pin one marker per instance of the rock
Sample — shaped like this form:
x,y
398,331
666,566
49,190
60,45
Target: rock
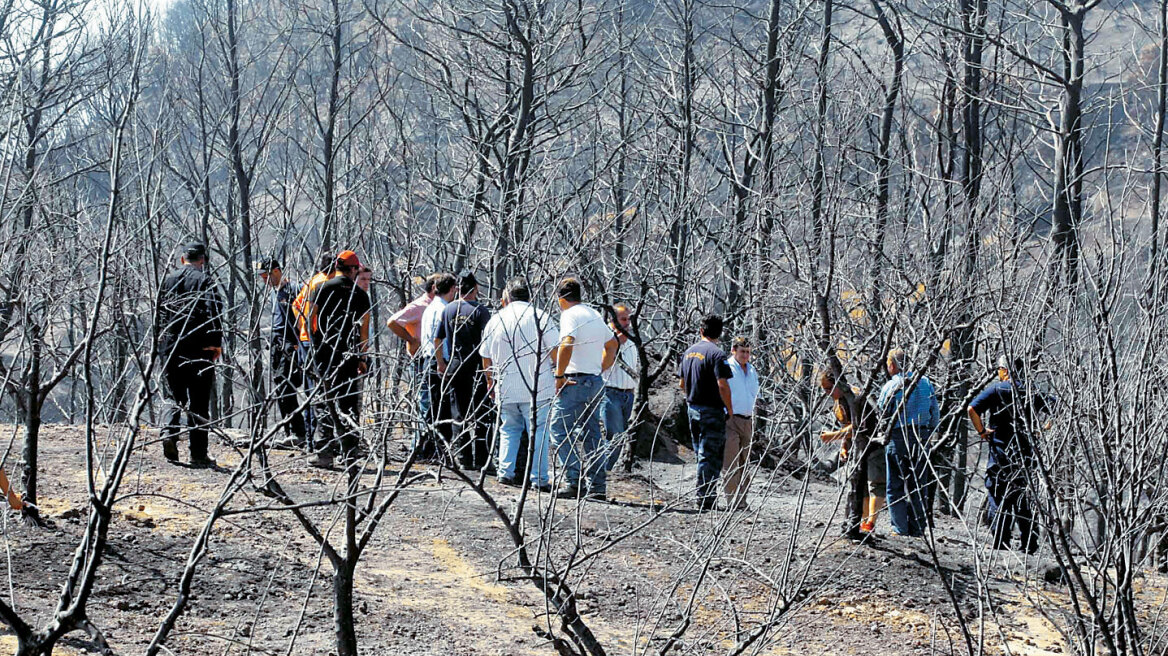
x,y
1054,574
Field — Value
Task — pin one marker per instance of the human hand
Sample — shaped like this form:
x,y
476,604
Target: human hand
x,y
562,382
362,367
215,352
843,453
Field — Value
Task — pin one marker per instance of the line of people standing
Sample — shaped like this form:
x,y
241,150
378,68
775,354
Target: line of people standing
x,y
569,388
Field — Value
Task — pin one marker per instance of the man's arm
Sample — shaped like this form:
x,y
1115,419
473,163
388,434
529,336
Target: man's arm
x,y
610,350
487,372
975,419
724,390
563,357
441,357
400,331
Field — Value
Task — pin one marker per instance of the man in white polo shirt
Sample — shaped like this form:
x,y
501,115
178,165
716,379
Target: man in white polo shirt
x,y
587,348
516,349
740,425
620,384
437,411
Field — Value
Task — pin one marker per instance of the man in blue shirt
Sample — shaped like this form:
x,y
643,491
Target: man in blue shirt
x,y
913,420
285,362
1012,412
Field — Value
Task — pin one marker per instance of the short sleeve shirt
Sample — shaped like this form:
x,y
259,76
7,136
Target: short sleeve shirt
x,y
590,333
1005,404
701,368
431,319
410,316
462,326
518,340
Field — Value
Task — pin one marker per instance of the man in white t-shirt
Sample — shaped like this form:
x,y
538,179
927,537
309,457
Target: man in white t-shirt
x,y
587,348
620,386
516,350
437,410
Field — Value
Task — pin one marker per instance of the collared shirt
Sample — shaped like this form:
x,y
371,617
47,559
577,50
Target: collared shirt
x,y
920,409
519,340
585,325
1011,411
431,319
302,306
410,316
627,360
743,388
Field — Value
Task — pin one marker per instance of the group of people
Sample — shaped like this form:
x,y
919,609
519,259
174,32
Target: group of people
x,y
318,345
564,386
887,448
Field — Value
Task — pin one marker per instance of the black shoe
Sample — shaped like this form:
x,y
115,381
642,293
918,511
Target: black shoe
x,y
568,492
510,482
854,536
490,470
545,488
170,450
202,462
597,495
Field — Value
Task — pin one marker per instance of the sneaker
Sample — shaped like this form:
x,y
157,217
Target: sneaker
x,y
855,537
568,492
867,527
170,450
545,488
202,462
510,481
322,460
597,495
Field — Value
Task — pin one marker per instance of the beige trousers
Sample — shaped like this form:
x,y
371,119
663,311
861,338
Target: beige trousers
x,y
736,459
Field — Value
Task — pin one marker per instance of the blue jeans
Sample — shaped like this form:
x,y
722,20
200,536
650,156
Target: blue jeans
x,y
576,432
707,427
419,370
618,408
907,456
514,420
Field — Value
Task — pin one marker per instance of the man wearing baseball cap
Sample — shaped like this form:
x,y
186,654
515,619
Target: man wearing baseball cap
x,y
190,339
284,342
340,339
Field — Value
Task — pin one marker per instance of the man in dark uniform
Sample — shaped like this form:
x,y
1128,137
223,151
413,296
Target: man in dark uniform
x,y
340,337
1013,410
190,339
463,323
705,377
284,342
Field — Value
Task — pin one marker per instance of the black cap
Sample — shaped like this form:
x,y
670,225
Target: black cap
x,y
266,265
467,281
195,251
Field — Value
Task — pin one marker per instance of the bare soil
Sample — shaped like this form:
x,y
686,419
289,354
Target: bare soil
x,y
437,578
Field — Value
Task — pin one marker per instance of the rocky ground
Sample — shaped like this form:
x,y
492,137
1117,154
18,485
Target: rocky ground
x,y
438,576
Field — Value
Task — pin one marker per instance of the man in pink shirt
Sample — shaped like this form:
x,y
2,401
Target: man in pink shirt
x,y
406,323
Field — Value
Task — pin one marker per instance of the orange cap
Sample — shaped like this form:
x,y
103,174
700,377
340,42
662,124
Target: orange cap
x,y
349,259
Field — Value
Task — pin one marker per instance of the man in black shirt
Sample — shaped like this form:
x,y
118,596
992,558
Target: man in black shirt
x,y
190,339
340,334
285,362
463,323
704,373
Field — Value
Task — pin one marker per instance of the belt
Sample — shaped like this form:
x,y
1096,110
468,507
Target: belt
x,y
620,389
578,374
742,416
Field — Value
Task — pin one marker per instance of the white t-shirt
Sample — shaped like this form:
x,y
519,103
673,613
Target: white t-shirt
x,y
519,341
587,327
617,376
430,320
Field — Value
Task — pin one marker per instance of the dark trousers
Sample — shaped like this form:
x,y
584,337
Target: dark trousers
x,y
286,376
707,428
471,414
340,412
1009,505
187,385
440,432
